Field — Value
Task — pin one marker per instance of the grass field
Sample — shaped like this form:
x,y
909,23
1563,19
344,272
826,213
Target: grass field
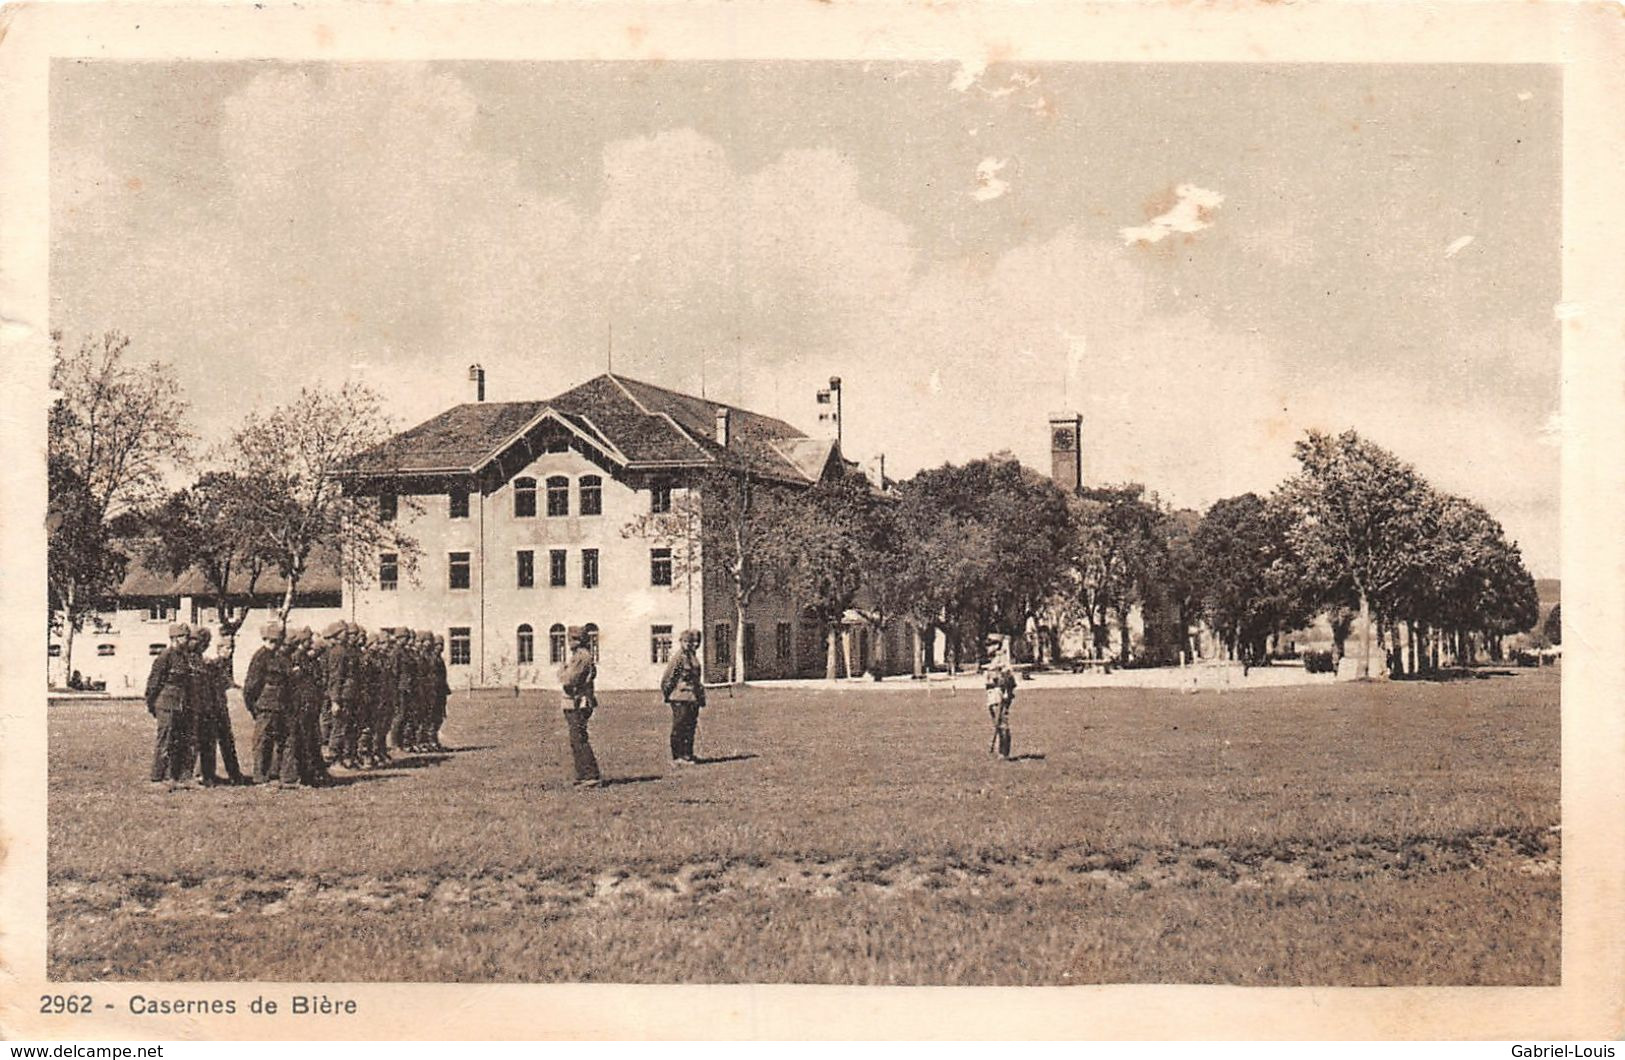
x,y
1357,834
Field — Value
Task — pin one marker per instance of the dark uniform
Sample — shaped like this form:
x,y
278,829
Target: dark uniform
x,y
683,689
267,689
577,678
389,694
169,686
308,694
220,712
406,693
442,692
341,681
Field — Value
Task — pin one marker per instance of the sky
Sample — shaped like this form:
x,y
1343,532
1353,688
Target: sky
x,y
1202,260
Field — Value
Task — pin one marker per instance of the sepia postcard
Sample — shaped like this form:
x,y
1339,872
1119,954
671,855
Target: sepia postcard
x,y
699,521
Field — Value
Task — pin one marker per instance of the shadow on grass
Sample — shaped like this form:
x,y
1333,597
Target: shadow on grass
x,y
1034,757
610,782
1457,674
417,761
466,750
702,761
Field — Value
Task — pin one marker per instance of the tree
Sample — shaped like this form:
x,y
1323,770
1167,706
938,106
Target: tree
x,y
1357,513
300,495
1024,525
923,560
1252,578
1119,545
826,542
731,527
1554,625
116,427
209,527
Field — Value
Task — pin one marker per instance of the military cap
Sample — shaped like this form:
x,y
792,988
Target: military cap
x,y
179,629
204,635
300,634
272,630
576,633
424,634
691,634
333,629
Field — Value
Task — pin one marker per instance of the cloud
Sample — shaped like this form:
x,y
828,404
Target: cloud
x,y
1457,246
988,184
1192,211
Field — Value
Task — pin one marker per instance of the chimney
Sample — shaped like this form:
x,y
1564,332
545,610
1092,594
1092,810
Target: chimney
x,y
724,416
1066,450
476,375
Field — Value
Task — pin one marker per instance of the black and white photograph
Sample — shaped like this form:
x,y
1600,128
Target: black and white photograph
x,y
966,520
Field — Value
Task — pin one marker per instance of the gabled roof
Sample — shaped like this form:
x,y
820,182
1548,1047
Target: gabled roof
x,y
142,580
637,424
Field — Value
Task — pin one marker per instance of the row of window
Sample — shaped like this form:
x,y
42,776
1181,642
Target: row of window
x,y
722,647
589,498
459,569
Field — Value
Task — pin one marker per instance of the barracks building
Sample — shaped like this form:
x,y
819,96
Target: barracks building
x,y
521,511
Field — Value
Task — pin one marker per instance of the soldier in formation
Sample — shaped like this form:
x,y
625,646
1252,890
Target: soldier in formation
x,y
171,688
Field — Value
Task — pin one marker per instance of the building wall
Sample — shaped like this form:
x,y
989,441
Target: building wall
x,y
624,604
131,630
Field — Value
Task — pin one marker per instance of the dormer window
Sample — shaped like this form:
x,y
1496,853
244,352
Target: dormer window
x,y
524,498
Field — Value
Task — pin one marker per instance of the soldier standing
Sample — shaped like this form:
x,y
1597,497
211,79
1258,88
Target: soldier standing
x,y
683,689
1000,681
267,691
202,703
578,678
169,685
376,752
220,672
308,695
442,691
339,689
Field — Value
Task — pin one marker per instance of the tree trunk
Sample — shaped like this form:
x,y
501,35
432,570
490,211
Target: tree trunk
x,y
1365,636
919,649
287,600
1122,637
830,664
739,676
70,623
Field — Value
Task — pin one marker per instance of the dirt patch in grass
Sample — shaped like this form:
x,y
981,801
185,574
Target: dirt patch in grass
x,y
1194,868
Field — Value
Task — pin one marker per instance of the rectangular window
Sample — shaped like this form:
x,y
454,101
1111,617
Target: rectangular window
x,y
155,649
158,612
459,570
555,567
591,488
387,507
659,644
557,443
782,641
719,638
527,568
750,643
589,568
660,497
524,498
104,650
461,645
558,496
660,566
459,504
389,571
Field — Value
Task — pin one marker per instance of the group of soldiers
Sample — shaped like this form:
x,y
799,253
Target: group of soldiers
x,y
341,697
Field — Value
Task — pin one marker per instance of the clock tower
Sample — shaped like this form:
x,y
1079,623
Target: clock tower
x,y
1066,450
